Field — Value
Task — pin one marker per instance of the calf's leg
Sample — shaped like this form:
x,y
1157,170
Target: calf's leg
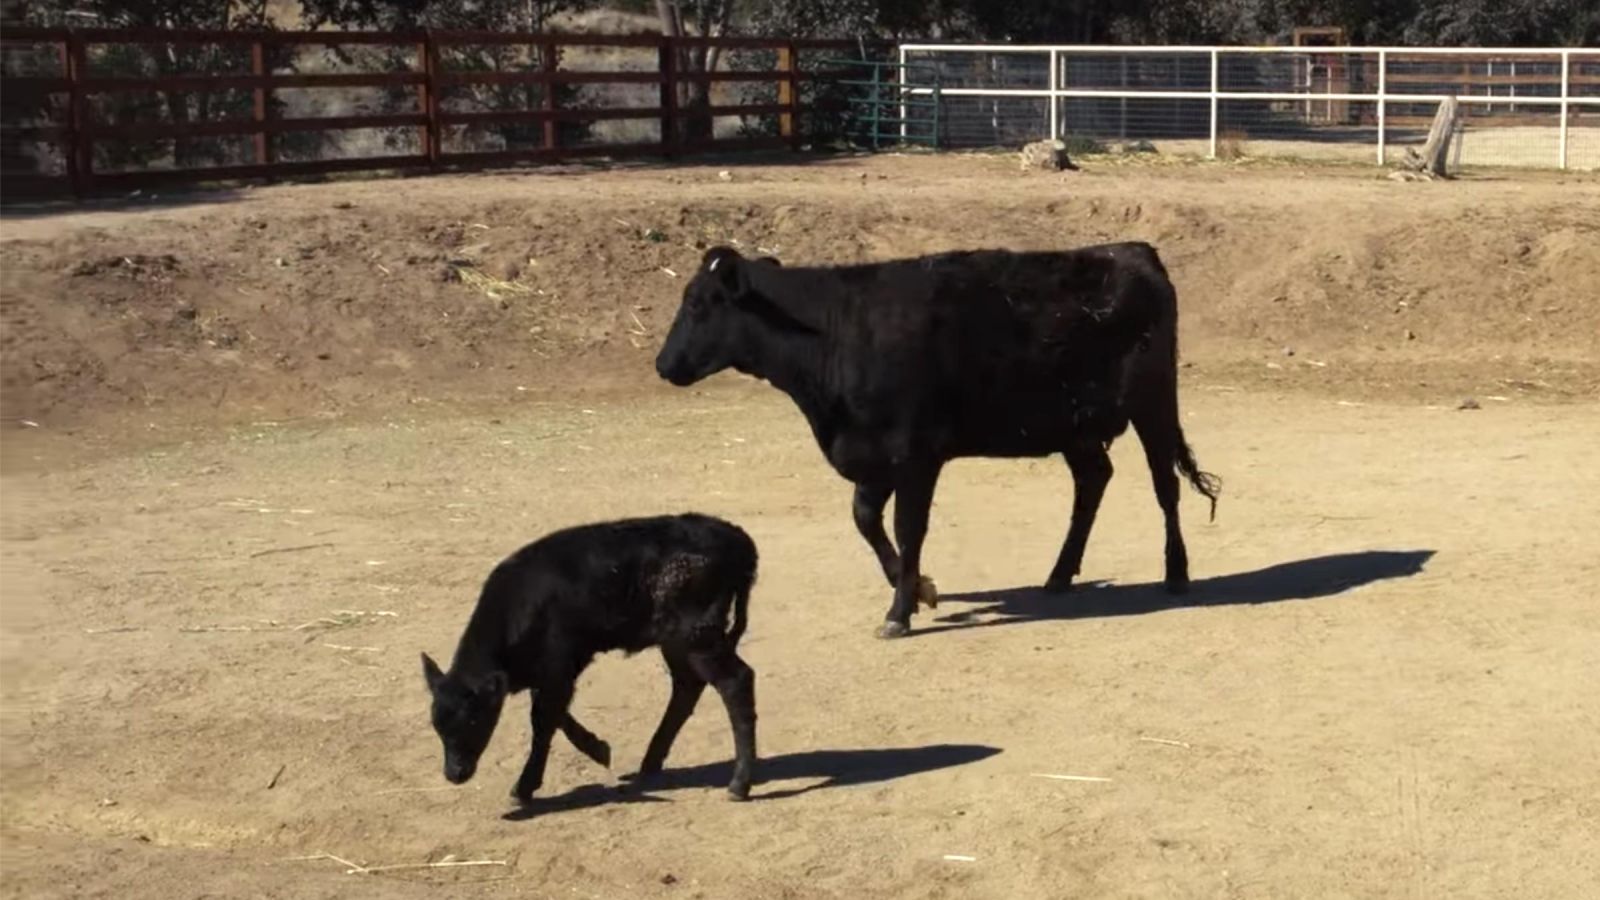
x,y
1091,472
586,741
736,683
687,686
550,703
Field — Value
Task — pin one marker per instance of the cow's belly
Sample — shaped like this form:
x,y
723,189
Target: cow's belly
x,y
1036,425
867,458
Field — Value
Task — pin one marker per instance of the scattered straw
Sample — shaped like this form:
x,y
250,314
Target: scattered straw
x,y
449,862
275,550
344,618
441,864
347,647
206,629
1094,778
1156,740
492,287
957,857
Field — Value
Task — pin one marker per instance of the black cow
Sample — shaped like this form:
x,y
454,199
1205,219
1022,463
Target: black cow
x,y
680,582
901,366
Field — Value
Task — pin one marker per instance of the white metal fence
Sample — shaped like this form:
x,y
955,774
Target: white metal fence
x,y
1536,107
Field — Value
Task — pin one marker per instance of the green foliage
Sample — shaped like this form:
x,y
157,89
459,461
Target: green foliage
x,y
124,60
452,15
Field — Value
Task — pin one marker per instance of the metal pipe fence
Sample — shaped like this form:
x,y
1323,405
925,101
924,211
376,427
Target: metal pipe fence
x,y
1519,107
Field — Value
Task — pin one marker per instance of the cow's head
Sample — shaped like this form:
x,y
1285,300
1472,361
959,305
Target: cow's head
x,y
704,336
465,711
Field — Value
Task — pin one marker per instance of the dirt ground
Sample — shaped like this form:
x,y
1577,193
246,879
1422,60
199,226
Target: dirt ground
x,y
240,495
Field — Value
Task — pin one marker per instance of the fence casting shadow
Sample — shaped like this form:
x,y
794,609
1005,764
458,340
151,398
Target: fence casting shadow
x,y
837,768
1304,579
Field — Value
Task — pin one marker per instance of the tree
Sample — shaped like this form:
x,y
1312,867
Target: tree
x,y
709,18
482,15
131,60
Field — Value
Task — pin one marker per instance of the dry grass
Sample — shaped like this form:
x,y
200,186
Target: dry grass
x,y
1231,145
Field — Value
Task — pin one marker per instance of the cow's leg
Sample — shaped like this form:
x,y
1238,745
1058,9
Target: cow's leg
x,y
550,703
586,741
868,512
736,683
1091,472
1161,437
914,492
687,686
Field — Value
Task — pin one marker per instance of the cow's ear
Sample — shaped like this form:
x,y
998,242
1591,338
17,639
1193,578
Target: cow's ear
x,y
726,266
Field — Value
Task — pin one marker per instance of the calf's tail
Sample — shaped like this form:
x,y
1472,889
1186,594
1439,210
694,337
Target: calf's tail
x,y
741,613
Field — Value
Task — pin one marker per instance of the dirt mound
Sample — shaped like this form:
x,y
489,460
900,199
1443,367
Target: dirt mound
x,y
321,299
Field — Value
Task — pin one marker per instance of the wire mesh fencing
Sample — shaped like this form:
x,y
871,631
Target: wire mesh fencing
x,y
1529,108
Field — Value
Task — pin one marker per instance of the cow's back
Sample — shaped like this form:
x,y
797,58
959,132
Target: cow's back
x,y
1010,349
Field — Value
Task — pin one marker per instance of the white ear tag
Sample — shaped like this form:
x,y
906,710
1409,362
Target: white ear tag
x,y
713,266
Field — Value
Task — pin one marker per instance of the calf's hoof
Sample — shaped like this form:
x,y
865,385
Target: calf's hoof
x,y
927,592
891,629
521,797
1177,585
602,754
739,792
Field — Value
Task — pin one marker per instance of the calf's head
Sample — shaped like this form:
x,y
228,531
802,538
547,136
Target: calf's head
x,y
465,711
705,333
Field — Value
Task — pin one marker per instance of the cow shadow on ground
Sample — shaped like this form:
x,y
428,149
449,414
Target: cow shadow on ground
x,y
1303,579
824,768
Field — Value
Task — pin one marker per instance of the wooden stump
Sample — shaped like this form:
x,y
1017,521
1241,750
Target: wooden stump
x,y
1435,156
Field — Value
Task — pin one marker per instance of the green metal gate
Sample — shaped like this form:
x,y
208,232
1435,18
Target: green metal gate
x,y
888,104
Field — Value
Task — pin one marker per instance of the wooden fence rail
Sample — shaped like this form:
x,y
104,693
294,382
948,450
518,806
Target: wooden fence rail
x,y
77,132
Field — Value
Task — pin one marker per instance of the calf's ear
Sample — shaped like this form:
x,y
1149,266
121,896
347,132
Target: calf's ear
x,y
497,684
431,673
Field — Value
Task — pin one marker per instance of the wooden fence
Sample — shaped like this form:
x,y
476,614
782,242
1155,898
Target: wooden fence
x,y
77,132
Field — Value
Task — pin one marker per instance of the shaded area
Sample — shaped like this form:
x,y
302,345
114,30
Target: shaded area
x,y
836,768
1304,579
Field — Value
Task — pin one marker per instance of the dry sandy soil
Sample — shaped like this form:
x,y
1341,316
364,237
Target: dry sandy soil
x,y
260,449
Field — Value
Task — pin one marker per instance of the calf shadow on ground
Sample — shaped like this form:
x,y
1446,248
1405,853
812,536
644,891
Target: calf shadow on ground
x,y
1303,579
835,768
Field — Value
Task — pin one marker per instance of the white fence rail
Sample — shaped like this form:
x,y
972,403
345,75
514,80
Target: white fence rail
x,y
1521,107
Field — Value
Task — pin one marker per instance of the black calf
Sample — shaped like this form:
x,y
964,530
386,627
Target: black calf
x,y
670,581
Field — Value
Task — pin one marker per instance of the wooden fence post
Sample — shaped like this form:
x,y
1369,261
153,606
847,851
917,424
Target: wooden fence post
x,y
669,97
258,68
548,60
788,96
428,98
79,146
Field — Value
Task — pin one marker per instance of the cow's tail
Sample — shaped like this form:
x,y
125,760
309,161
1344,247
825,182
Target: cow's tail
x,y
1205,483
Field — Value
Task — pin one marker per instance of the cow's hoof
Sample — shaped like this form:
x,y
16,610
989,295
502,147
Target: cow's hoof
x,y
602,754
739,793
1058,586
927,592
1177,585
891,629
